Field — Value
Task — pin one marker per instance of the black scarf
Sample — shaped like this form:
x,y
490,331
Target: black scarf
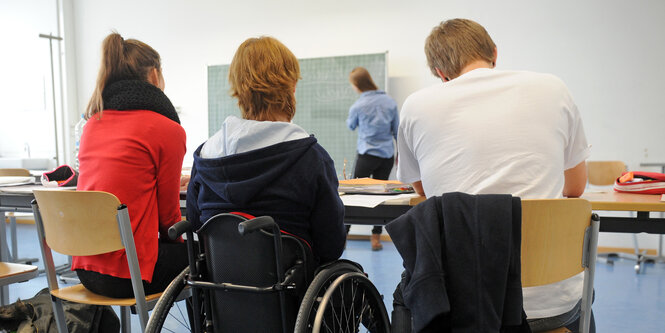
x,y
127,95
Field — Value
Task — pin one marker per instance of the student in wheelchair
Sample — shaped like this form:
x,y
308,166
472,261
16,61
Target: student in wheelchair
x,y
257,274
263,164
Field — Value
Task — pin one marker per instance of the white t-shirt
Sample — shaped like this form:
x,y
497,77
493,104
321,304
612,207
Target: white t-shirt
x,y
493,132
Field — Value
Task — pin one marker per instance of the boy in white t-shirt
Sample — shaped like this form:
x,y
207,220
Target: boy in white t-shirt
x,y
490,131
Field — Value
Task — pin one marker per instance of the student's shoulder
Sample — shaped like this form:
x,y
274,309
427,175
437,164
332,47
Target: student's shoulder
x,y
538,78
421,97
156,123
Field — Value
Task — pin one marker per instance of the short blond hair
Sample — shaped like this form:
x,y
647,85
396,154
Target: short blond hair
x,y
263,76
455,43
360,78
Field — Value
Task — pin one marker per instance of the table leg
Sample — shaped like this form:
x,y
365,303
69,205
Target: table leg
x,y
4,256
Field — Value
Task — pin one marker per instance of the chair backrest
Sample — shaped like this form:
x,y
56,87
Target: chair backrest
x,y
604,172
553,232
249,260
80,223
14,172
559,239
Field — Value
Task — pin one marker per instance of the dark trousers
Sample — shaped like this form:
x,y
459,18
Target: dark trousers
x,y
171,260
373,167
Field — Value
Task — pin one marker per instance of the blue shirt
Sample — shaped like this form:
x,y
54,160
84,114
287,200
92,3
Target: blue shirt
x,y
375,115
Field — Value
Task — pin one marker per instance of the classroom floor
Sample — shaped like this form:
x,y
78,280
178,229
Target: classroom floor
x,y
625,301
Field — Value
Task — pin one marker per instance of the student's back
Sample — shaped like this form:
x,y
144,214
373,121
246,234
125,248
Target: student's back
x,y
265,165
500,132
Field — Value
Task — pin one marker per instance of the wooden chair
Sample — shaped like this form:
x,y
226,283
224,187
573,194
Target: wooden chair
x,y
559,239
82,223
12,273
603,173
14,172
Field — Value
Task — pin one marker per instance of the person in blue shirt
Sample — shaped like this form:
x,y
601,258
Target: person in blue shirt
x,y
375,116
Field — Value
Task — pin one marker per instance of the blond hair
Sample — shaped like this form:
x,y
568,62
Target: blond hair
x,y
121,60
454,44
360,78
263,76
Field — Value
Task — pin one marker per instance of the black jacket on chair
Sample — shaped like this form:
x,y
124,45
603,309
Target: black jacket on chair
x,y
461,253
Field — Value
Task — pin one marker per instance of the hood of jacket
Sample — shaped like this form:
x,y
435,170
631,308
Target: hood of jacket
x,y
239,174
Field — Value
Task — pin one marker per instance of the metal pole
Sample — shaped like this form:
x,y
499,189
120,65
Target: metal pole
x,y
55,116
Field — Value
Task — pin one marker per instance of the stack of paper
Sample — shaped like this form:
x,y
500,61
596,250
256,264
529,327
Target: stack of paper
x,y
15,180
373,186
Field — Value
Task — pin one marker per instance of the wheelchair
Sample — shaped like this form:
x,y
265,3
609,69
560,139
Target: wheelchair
x,y
246,275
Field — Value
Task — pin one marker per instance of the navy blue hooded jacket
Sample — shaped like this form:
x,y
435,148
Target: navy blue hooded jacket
x,y
294,182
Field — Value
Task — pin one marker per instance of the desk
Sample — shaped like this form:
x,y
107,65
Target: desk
x,y
10,202
605,201
628,202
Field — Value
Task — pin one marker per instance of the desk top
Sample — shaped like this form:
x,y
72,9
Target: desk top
x,y
612,201
616,201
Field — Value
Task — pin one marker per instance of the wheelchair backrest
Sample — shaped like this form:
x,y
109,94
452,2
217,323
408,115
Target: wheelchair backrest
x,y
249,260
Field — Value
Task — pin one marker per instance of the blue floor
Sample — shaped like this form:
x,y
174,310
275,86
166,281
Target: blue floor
x,y
625,301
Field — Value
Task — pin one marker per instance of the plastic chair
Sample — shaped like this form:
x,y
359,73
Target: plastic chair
x,y
559,240
82,223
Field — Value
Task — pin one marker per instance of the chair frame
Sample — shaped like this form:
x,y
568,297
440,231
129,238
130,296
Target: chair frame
x,y
126,239
586,259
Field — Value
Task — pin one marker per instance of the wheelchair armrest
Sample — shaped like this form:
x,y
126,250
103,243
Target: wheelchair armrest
x,y
258,223
178,229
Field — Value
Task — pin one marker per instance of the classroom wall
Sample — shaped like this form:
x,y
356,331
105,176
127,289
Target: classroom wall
x,y
609,53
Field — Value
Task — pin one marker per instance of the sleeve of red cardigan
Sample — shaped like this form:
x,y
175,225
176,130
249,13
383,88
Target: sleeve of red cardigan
x,y
169,168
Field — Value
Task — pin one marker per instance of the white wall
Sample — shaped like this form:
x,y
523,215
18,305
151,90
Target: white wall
x,y
610,53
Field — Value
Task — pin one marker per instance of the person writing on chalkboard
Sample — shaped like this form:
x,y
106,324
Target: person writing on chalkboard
x,y
263,164
375,116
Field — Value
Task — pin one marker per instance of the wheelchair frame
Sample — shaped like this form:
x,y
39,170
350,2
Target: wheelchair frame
x,y
310,315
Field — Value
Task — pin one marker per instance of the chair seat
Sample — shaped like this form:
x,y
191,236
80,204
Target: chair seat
x,y
79,294
11,273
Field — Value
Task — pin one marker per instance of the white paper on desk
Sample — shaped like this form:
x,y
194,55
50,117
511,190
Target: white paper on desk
x,y
15,180
370,201
30,188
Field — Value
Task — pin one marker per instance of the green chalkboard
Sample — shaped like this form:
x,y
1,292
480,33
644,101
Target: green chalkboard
x,y
323,98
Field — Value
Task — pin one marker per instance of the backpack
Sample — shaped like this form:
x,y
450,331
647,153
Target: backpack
x,y
36,315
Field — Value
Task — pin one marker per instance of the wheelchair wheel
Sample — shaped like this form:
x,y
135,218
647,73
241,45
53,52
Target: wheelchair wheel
x,y
170,314
341,299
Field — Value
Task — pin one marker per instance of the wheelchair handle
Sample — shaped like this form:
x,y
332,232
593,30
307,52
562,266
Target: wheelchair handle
x,y
178,229
256,224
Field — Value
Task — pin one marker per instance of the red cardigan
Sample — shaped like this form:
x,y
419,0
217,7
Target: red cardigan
x,y
136,155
